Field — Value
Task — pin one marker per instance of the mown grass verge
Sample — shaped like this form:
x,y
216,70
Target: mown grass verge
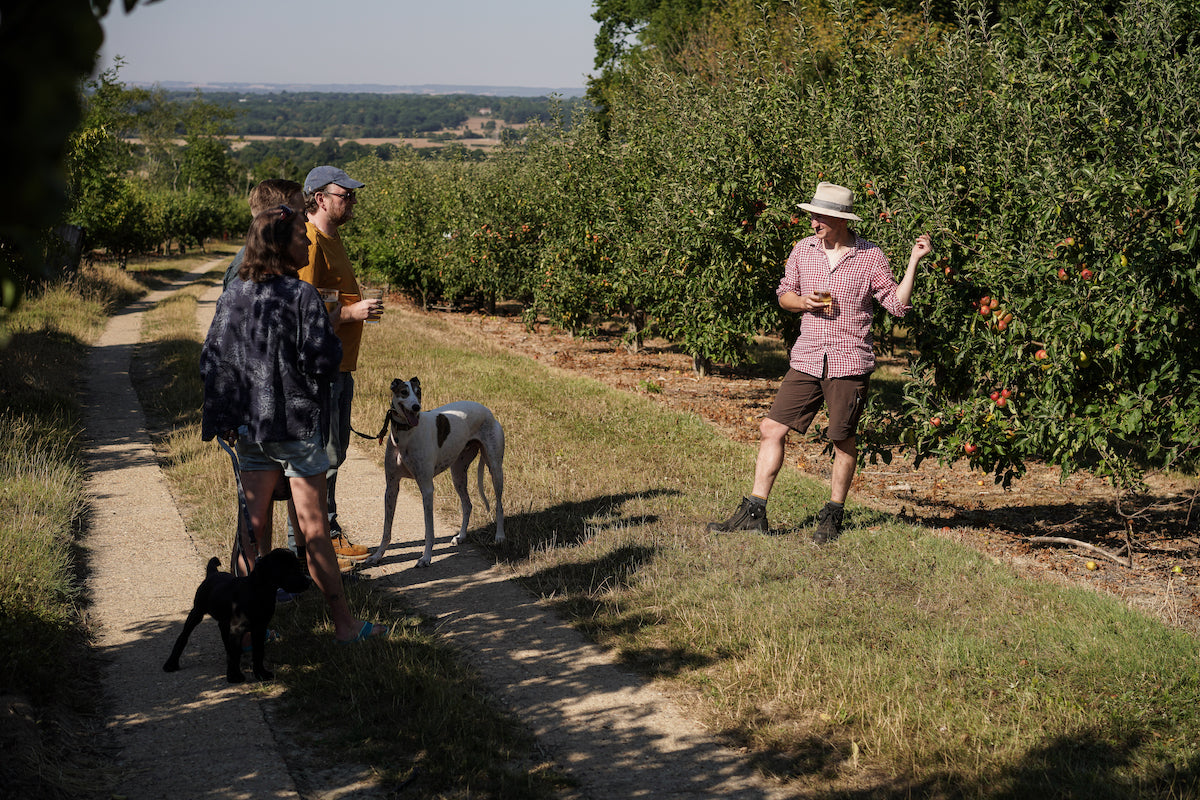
x,y
48,711
893,662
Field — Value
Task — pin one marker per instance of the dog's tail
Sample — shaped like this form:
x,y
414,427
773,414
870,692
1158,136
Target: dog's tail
x,y
479,479
214,564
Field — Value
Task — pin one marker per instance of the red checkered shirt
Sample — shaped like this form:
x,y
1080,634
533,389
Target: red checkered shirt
x,y
838,343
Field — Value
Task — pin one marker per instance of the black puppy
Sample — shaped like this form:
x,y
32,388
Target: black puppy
x,y
241,604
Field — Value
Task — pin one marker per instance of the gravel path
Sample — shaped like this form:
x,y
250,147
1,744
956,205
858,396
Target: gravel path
x,y
187,734
618,736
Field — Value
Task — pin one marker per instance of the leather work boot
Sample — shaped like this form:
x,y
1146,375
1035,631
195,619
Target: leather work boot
x,y
345,549
829,524
750,516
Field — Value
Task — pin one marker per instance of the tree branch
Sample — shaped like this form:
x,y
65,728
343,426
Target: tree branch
x,y
1091,547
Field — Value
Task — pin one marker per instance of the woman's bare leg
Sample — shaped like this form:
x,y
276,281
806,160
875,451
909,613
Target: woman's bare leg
x,y
308,495
258,485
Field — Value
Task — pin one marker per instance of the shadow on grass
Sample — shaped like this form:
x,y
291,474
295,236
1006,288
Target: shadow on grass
x,y
1162,517
1078,764
37,374
573,522
412,676
165,374
577,588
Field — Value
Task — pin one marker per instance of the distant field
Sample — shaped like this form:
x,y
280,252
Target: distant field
x,y
474,124
242,141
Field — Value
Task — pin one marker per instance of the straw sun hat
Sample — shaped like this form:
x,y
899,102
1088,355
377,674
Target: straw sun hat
x,y
832,200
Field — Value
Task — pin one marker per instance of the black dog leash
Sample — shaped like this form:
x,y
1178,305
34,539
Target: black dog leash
x,y
239,552
387,418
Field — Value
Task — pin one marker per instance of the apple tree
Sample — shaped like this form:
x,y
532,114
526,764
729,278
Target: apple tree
x,y
1060,180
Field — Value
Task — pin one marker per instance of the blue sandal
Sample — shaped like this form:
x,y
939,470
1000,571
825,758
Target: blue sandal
x,y
367,631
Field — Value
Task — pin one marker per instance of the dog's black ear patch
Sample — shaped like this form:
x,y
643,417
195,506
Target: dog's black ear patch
x,y
396,385
443,429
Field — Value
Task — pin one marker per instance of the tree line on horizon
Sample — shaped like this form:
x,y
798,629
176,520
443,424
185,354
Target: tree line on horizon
x,y
366,115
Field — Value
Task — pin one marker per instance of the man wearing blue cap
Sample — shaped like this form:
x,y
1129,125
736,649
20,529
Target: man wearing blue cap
x,y
329,198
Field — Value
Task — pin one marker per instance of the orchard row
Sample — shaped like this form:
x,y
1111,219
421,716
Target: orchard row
x,y
1059,181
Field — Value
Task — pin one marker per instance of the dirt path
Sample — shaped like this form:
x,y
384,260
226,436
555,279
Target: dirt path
x,y
175,732
616,735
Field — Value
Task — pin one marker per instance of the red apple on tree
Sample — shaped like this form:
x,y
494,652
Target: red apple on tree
x,y
969,449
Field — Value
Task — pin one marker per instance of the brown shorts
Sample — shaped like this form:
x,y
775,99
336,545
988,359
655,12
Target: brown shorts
x,y
800,397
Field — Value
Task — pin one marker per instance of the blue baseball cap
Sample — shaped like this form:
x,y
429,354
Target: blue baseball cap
x,y
323,176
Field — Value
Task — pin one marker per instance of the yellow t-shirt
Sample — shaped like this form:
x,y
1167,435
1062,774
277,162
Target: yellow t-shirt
x,y
329,268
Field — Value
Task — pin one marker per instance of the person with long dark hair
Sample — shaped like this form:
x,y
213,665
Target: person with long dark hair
x,y
267,363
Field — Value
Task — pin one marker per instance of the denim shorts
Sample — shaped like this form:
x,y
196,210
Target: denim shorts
x,y
297,459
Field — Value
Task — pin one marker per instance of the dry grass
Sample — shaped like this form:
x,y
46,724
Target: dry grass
x,y
891,662
48,710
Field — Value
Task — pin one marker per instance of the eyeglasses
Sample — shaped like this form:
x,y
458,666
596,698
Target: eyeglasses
x,y
350,196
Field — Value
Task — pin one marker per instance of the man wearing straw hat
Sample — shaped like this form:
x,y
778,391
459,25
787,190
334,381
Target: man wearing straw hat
x,y
834,278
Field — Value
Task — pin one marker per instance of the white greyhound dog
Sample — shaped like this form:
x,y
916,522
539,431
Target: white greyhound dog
x,y
422,444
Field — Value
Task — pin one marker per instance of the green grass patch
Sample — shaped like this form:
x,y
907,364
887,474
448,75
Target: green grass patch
x,y
892,661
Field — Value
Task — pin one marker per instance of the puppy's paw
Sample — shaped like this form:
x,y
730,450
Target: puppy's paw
x,y
171,666
422,563
264,674
235,677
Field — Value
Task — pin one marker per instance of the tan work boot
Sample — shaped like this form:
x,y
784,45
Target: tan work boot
x,y
346,549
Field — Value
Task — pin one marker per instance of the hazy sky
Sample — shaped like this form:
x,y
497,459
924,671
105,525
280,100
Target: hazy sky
x,y
535,43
